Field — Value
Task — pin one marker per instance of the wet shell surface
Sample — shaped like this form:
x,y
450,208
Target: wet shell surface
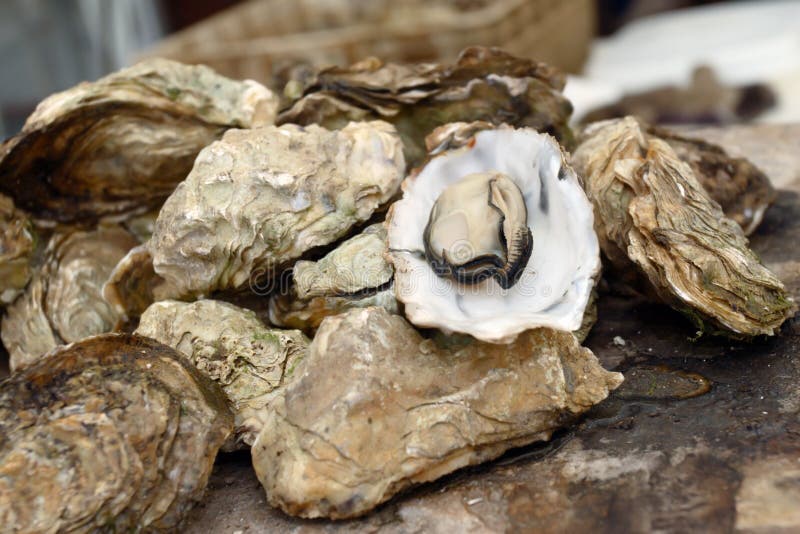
x,y
494,238
232,347
653,217
484,84
121,144
259,199
64,301
114,433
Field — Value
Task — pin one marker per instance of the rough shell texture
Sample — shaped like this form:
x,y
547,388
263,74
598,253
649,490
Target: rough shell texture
x,y
557,281
743,192
484,84
122,143
377,408
230,346
651,212
17,244
112,433
260,198
64,301
354,275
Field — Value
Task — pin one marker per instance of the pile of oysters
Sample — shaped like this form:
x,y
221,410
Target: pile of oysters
x,y
369,282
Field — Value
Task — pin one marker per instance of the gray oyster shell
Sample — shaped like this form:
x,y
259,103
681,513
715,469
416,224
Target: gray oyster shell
x,y
376,408
64,301
121,144
259,199
114,433
354,275
232,347
655,221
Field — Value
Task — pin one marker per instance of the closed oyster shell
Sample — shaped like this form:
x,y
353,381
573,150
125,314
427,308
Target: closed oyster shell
x,y
743,192
652,214
17,244
484,84
115,432
64,301
232,347
377,408
354,275
259,199
122,143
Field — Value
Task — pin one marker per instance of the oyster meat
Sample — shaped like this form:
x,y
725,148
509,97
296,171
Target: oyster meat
x,y
484,84
122,143
114,433
494,238
743,192
64,301
376,408
354,275
261,198
232,347
652,214
17,244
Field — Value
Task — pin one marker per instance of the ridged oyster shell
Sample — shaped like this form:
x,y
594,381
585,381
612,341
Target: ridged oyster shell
x,y
64,301
17,244
652,215
353,275
114,433
484,84
232,347
557,281
259,199
122,143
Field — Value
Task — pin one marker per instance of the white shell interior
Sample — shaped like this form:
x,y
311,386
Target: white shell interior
x,y
554,289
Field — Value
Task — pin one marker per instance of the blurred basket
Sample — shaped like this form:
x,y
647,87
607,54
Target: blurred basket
x,y
259,38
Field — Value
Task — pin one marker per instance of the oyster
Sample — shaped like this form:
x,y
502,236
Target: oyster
x,y
354,275
232,347
258,199
743,192
484,84
122,143
17,244
652,213
64,301
495,238
376,408
114,433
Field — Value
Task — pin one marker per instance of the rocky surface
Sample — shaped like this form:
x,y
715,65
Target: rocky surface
x,y
704,436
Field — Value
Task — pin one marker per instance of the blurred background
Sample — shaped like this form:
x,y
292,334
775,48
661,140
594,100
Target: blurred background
x,y
671,61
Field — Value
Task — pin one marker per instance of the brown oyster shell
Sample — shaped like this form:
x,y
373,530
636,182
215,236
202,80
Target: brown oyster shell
x,y
353,275
652,215
64,301
484,84
259,199
232,347
743,192
377,408
17,244
115,432
122,143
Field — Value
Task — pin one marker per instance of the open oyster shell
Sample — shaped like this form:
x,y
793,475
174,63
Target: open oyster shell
x,y
113,433
376,408
258,199
64,301
552,288
17,244
651,213
122,143
354,275
484,84
232,347
743,192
